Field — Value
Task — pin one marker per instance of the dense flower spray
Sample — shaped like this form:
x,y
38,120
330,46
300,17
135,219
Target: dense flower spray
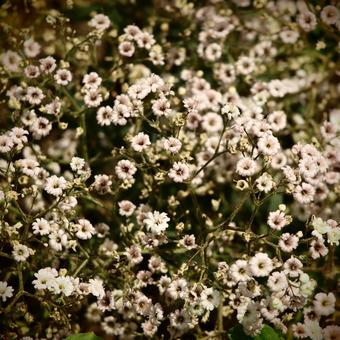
x,y
170,171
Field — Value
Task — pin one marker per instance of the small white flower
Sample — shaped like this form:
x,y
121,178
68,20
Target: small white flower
x,y
63,77
179,172
125,169
126,208
5,291
156,222
210,298
44,277
84,228
41,226
21,252
77,164
55,185
140,142
172,144
260,265
62,285
100,22
96,287
246,167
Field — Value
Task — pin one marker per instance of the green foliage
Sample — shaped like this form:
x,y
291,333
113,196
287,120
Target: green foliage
x,y
84,336
267,333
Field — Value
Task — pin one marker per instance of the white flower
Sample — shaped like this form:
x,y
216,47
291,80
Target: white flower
x,y
126,208
313,329
44,277
268,145
265,182
156,222
240,271
84,228
62,285
5,291
96,287
63,77
210,298
100,22
105,115
188,242
125,169
93,98
41,226
31,48
277,220
21,252
140,142
231,110
246,167
47,65
334,236
55,185
77,164
324,304
277,281
92,80
126,49
134,254
6,143
178,288
11,61
172,144
260,264
34,95
179,172
288,242
58,240
212,122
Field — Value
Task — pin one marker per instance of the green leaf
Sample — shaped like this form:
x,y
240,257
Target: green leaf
x,y
237,333
267,333
84,336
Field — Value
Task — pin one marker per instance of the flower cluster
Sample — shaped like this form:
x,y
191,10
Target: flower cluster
x,y
170,171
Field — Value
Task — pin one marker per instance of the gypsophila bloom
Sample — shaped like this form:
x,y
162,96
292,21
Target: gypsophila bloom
x,y
34,95
260,264
47,65
125,169
126,49
11,61
41,226
96,287
6,291
156,222
179,172
31,48
188,242
172,144
268,145
140,142
55,185
63,77
324,304
84,229
21,252
126,208
170,179
92,80
246,167
100,22
77,164
277,281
